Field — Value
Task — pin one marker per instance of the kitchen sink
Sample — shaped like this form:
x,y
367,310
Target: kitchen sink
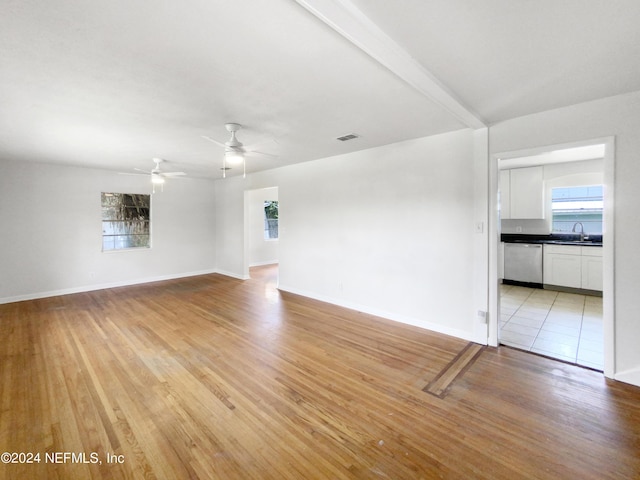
x,y
574,242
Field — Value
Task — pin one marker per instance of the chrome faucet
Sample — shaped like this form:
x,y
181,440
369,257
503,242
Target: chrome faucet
x,y
581,230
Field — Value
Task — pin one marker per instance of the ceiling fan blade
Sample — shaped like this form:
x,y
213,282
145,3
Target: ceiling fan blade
x,y
143,171
136,174
265,144
255,152
214,141
172,174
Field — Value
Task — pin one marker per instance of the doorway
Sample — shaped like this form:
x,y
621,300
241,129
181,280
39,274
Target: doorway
x,y
261,228
566,325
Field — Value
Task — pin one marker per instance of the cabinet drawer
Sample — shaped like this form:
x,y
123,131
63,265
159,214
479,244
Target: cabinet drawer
x,y
563,249
592,251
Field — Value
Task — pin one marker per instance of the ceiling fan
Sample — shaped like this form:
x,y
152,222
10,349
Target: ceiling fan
x,y
234,151
157,176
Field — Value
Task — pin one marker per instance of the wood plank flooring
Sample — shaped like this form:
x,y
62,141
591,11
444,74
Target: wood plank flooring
x,y
215,378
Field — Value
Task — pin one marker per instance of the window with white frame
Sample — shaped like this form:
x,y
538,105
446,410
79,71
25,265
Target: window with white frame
x,y
573,205
126,221
270,219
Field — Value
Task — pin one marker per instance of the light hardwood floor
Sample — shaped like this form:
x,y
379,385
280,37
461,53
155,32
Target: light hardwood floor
x,y
211,377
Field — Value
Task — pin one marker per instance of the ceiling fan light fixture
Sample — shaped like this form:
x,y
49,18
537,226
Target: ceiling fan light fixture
x,y
233,158
157,179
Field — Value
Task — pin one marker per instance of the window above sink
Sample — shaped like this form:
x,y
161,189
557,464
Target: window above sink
x,y
577,209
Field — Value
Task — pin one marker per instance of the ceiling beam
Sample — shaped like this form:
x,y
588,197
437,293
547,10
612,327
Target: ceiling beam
x,y
350,22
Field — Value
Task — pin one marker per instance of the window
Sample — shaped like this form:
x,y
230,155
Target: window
x,y
270,219
570,205
125,221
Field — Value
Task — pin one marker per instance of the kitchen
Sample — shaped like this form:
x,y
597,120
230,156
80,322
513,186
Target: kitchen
x,y
551,268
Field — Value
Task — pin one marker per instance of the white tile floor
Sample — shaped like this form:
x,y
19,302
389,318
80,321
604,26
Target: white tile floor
x,y
565,326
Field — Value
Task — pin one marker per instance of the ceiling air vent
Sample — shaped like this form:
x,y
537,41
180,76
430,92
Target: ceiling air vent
x,y
350,136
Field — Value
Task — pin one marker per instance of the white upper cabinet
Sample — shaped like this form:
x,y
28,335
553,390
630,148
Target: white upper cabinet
x,y
527,193
505,194
522,193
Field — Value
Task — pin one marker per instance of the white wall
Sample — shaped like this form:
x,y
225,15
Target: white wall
x,y
388,230
51,230
569,174
261,251
481,229
615,116
231,254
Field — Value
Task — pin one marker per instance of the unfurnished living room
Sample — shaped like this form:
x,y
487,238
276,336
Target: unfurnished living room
x,y
320,239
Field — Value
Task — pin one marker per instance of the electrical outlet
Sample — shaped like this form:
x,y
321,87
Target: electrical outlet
x,y
518,229
479,227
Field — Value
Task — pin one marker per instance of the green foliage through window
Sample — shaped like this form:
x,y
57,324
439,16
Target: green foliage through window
x,y
270,219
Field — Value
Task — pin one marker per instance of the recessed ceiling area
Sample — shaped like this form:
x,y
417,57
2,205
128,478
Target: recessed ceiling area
x,y
114,84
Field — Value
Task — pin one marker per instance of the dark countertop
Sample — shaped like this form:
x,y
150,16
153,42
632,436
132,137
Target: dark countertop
x,y
554,239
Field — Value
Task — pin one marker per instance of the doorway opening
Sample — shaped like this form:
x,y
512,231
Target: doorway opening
x,y
261,230
565,319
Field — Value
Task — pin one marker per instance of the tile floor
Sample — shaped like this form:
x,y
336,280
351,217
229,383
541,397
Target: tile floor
x,y
565,326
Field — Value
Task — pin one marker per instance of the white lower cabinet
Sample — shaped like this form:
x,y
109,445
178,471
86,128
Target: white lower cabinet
x,y
562,266
573,266
592,268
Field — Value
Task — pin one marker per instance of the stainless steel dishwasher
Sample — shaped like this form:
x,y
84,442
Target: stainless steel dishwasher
x,y
523,262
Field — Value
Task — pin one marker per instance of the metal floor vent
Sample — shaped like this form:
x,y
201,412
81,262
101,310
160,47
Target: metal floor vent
x,y
350,136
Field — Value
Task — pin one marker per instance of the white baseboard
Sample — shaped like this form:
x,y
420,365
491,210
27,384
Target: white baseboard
x,y
262,264
629,376
101,286
416,322
232,275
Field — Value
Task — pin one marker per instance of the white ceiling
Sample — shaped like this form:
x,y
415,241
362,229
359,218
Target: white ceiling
x,y
112,84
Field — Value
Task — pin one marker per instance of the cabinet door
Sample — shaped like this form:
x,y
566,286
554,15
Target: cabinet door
x,y
592,273
562,270
527,193
505,195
